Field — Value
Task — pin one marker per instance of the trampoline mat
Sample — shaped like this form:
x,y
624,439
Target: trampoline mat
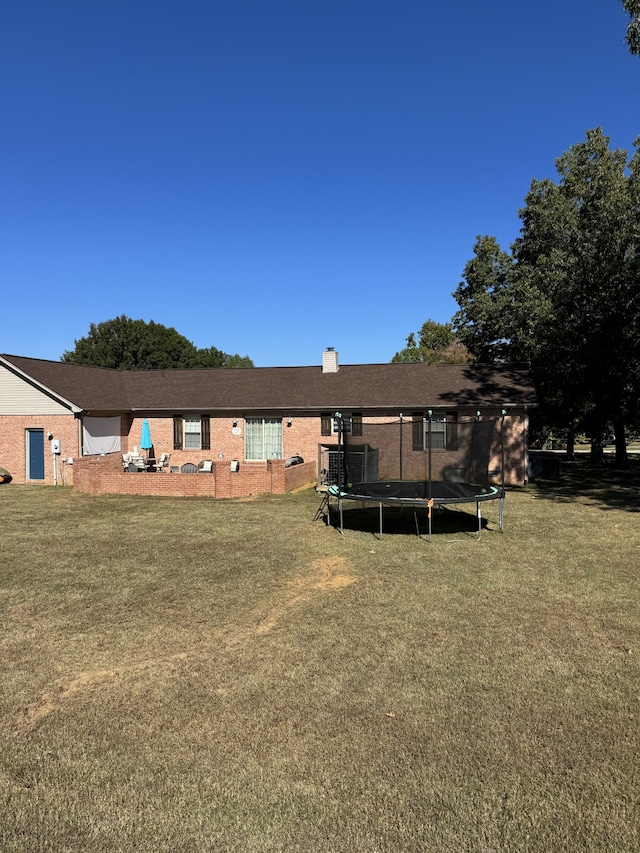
x,y
405,491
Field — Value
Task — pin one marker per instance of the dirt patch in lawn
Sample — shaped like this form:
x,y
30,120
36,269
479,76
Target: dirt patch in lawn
x,y
327,574
62,690
332,573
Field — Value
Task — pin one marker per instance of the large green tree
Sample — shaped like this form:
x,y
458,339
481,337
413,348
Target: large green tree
x,y
567,297
437,344
126,344
633,29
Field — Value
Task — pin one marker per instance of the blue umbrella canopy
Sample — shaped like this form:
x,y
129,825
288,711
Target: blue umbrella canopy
x,y
145,437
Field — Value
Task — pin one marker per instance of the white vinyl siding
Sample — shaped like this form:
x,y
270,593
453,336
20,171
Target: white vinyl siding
x,y
19,397
262,439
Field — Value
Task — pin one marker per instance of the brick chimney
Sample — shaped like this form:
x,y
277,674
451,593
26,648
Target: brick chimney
x,y
329,361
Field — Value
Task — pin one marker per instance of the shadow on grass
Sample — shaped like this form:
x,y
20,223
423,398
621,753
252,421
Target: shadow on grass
x,y
611,487
405,522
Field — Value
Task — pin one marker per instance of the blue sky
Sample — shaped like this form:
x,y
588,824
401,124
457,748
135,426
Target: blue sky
x,y
272,178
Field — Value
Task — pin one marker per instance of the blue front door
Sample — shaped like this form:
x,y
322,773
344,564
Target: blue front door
x,y
35,454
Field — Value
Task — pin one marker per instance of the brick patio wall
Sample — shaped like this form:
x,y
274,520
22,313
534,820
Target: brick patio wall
x,y
299,476
100,475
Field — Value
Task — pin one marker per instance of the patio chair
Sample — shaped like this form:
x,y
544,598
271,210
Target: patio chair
x,y
163,462
132,462
206,466
189,468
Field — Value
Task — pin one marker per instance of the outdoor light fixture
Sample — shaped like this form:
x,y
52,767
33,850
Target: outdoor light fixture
x,y
235,422
289,421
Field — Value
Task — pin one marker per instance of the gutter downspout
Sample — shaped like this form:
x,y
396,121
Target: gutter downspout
x,y
80,414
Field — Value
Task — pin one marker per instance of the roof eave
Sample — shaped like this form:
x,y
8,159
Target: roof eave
x,y
298,409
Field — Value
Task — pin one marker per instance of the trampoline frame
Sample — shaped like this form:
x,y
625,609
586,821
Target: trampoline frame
x,y
416,504
436,493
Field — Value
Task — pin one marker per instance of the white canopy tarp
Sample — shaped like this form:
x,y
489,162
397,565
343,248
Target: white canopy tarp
x,y
100,435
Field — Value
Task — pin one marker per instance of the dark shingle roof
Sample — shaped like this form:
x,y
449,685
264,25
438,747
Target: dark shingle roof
x,y
86,387
286,389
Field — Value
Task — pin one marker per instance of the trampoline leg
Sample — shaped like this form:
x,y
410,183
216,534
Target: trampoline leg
x,y
479,513
430,539
501,514
324,506
341,517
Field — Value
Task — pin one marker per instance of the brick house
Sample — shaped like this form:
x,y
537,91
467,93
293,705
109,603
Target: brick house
x,y
66,423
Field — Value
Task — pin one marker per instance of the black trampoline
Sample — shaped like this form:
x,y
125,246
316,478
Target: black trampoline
x,y
427,461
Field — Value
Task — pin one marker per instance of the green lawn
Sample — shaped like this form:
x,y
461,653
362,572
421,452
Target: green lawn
x,y
192,675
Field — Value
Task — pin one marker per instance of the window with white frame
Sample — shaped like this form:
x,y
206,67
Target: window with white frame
x,y
191,432
329,424
351,423
436,430
440,432
262,439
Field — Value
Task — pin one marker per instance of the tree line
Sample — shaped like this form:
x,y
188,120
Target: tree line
x,y
126,344
632,7
565,298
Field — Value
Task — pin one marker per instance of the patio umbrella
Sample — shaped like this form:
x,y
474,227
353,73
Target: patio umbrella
x,y
145,437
